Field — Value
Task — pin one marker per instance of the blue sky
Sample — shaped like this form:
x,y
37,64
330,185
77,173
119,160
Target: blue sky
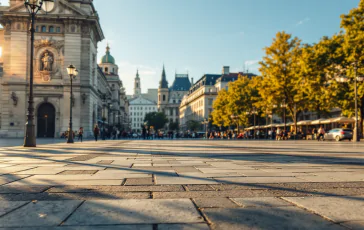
x,y
200,36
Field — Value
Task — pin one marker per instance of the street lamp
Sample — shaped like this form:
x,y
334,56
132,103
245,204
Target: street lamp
x,y
103,97
339,77
206,123
72,73
254,112
33,6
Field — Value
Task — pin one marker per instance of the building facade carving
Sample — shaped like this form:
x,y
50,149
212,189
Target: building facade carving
x,y
69,34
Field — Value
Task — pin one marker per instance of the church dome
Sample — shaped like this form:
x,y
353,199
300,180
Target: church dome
x,y
107,58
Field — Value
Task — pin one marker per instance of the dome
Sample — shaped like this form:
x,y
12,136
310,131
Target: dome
x,y
107,58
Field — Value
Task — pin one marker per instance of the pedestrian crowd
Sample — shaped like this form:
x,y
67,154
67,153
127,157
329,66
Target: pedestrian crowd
x,y
146,134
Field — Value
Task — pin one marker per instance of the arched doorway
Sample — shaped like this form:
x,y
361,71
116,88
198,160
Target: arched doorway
x,y
46,120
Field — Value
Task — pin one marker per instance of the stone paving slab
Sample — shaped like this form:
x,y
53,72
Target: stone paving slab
x,y
354,225
83,189
139,181
135,212
60,182
42,171
41,213
110,227
215,203
337,209
183,180
8,206
103,175
255,180
183,227
75,196
261,202
267,218
14,169
5,179
23,189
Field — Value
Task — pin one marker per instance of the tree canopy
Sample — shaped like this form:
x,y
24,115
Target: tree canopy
x,y
156,119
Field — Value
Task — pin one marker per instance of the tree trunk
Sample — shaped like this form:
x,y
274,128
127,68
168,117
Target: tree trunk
x,y
361,108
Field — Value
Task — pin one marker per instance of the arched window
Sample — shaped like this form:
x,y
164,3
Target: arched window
x,y
113,70
164,97
37,29
58,29
44,29
137,85
106,69
51,29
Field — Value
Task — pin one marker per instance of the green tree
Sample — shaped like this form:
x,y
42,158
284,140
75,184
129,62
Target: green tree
x,y
173,126
219,113
156,119
193,125
353,47
318,92
243,97
280,70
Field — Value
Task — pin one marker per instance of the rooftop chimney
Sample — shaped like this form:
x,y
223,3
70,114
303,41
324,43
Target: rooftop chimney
x,y
226,70
191,81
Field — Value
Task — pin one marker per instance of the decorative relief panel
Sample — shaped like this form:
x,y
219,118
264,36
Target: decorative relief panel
x,y
48,59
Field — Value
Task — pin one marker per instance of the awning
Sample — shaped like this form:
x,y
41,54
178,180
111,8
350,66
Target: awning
x,y
306,122
342,120
320,122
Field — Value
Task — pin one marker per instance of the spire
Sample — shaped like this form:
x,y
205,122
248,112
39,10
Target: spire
x,y
163,84
137,74
107,48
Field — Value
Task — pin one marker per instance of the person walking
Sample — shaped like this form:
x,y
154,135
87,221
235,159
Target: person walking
x,y
80,134
321,134
314,132
279,133
96,132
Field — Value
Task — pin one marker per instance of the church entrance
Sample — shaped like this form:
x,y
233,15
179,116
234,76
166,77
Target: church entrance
x,y
46,120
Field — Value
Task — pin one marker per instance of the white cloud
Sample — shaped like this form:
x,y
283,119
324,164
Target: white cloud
x,y
303,21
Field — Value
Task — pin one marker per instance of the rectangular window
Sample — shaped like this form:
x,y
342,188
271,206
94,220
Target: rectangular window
x,y
58,29
210,101
171,111
164,97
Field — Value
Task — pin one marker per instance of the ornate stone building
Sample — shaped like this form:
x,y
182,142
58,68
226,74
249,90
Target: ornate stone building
x,y
197,105
69,34
170,98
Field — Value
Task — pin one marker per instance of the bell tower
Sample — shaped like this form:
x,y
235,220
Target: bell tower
x,y
163,92
137,86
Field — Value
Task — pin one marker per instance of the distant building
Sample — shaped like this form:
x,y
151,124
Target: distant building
x,y
138,108
197,105
170,98
115,103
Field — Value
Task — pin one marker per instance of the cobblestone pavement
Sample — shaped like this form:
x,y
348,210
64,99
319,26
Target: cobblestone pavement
x,y
183,185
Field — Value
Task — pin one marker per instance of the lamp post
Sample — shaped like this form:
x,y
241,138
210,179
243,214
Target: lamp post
x,y
33,6
72,73
103,97
206,122
343,79
254,112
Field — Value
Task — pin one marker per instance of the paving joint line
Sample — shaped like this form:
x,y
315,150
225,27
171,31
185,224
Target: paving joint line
x,y
61,224
26,203
200,211
313,212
